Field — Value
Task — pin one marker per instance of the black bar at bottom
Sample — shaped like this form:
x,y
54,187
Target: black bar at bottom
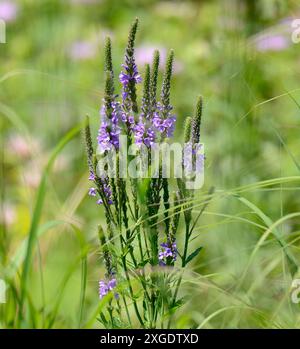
x,y
133,338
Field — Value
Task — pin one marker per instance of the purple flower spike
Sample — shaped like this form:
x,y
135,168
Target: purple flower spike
x,y
129,77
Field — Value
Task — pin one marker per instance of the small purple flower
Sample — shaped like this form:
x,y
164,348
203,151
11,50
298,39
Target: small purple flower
x,y
8,11
112,284
126,75
92,176
130,119
103,289
92,192
164,121
106,286
144,134
108,136
109,131
168,253
106,191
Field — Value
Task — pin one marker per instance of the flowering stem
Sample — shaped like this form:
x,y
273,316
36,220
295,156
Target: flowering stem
x,y
122,198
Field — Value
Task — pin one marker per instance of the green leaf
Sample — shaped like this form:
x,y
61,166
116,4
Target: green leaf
x,y
103,319
193,255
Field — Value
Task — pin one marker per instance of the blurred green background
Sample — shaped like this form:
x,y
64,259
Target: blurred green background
x,y
240,56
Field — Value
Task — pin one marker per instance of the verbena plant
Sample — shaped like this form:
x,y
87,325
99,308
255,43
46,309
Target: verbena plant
x,y
145,243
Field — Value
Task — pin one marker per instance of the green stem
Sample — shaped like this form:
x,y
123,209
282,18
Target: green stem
x,y
129,284
186,244
127,312
183,264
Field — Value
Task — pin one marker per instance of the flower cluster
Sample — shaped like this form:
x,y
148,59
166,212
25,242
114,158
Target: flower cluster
x,y
144,134
168,253
164,120
106,286
106,191
128,74
108,134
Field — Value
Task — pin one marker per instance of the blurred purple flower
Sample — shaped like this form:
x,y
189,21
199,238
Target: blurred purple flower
x,y
32,174
82,50
8,11
7,214
85,2
18,145
271,43
144,55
